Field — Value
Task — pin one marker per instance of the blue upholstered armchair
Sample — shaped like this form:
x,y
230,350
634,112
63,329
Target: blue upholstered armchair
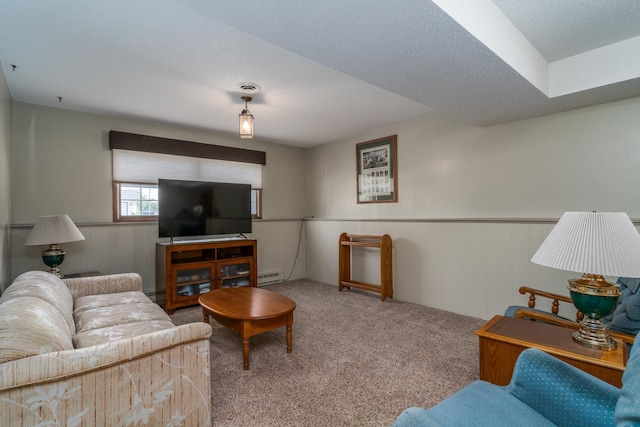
x,y
543,391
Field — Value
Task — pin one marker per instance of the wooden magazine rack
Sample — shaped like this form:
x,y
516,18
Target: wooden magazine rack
x,y
347,241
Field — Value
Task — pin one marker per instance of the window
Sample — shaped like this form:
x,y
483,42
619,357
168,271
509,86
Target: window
x,y
256,204
139,161
139,202
135,202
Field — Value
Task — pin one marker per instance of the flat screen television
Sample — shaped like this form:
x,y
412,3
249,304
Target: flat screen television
x,y
198,208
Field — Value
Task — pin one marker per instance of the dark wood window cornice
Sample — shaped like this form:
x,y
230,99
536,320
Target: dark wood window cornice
x,y
155,144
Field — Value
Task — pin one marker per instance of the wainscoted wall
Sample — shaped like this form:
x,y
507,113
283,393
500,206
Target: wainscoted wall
x,y
119,248
473,268
475,203
62,165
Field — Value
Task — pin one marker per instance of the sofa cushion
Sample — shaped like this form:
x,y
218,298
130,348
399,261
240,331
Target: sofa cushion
x,y
31,326
111,317
106,300
41,276
118,332
47,287
115,309
105,284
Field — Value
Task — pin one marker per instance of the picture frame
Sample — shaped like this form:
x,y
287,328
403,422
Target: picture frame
x,y
377,170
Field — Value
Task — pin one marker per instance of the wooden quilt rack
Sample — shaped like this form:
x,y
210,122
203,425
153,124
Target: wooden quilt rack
x,y
347,241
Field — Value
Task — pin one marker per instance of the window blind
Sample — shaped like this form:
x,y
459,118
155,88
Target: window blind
x,y
146,167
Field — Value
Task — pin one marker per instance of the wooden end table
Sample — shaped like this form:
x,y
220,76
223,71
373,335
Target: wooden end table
x,y
249,311
502,339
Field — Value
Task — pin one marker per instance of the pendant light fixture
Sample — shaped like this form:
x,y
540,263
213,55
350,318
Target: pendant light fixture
x,y
246,120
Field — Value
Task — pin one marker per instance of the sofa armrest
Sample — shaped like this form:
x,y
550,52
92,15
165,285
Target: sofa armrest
x,y
161,378
107,284
562,393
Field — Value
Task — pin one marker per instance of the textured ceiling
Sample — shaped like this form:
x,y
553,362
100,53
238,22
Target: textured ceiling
x,y
559,29
328,70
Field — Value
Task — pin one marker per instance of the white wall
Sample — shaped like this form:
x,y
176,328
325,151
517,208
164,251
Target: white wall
x,y
475,203
62,164
6,106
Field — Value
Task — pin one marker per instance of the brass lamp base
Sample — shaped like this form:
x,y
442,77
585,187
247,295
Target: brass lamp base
x,y
596,298
593,334
53,257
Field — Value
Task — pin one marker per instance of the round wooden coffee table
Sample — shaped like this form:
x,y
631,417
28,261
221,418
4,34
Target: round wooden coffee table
x,y
249,311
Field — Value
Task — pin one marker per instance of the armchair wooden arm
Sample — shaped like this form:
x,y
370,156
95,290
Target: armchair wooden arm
x,y
555,304
523,313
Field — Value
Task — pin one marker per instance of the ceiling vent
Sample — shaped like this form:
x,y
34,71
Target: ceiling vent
x,y
248,87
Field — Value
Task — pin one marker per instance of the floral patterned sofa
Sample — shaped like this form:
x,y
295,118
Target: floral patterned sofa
x,y
98,351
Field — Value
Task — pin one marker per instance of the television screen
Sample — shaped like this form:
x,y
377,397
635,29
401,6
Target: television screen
x,y
197,208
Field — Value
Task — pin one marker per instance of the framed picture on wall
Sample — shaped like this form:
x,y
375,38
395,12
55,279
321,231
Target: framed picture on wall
x,y
377,171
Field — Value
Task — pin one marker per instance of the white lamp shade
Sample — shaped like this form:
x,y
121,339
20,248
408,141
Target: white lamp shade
x,y
53,229
604,243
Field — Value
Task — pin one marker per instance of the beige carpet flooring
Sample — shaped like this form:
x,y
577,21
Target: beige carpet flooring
x,y
356,361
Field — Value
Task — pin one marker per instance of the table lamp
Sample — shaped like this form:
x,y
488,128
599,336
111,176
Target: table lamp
x,y
52,230
595,244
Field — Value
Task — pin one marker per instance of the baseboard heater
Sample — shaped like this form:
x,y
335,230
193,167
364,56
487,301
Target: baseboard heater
x,y
270,278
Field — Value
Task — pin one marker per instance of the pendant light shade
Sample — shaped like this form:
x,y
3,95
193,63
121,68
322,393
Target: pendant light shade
x,y
246,120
